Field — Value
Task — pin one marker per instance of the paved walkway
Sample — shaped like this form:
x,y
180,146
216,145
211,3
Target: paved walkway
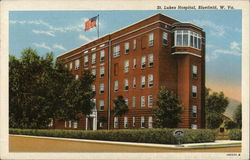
x,y
19,143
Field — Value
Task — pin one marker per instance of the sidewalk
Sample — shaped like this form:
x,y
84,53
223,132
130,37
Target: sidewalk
x,y
216,144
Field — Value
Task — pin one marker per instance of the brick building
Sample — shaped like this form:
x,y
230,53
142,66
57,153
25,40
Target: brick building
x,y
135,62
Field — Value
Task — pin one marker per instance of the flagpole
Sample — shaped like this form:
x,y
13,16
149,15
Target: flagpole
x,y
98,27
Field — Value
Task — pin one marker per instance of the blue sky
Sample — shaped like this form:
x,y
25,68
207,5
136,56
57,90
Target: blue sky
x,y
61,31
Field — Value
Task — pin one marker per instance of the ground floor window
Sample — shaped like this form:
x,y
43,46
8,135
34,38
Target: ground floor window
x,y
194,126
150,122
115,122
75,124
142,122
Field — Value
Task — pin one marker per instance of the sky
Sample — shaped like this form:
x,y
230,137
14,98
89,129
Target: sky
x,y
62,31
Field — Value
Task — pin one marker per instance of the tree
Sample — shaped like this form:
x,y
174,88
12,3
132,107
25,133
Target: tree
x,y
40,90
168,113
238,116
120,106
215,105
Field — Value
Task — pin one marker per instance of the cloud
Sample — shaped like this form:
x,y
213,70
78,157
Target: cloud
x,y
48,33
233,49
85,38
42,45
218,30
70,28
57,46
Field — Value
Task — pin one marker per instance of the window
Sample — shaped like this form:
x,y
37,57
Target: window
x,y
126,66
100,124
194,111
101,105
133,101
69,124
65,124
116,86
101,71
50,123
125,122
75,124
187,38
142,122
133,121
93,58
86,61
102,56
126,101
194,126
150,122
126,46
77,77
66,66
93,88
165,38
134,63
94,101
77,64
134,82
142,81
116,51
115,122
143,62
194,91
194,71
142,101
116,69
126,84
150,80
93,71
70,66
150,60
150,101
134,44
101,88
151,39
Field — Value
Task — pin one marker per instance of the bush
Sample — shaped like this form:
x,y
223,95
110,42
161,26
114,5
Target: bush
x,y
160,136
235,134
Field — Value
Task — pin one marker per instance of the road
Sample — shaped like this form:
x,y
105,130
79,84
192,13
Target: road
x,y
31,144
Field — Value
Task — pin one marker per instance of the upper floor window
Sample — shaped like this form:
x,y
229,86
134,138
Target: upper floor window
x,y
77,64
102,71
126,66
194,71
126,46
116,51
133,101
143,62
101,88
126,84
150,60
194,91
151,39
116,86
150,101
126,101
93,58
86,61
134,63
165,38
101,105
102,56
94,101
194,111
70,66
187,38
150,80
134,82
93,88
93,71
143,81
134,44
142,101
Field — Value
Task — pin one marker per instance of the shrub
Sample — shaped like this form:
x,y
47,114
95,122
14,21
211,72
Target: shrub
x,y
235,134
160,136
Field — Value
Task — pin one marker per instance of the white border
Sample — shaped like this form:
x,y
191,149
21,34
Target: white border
x,y
7,5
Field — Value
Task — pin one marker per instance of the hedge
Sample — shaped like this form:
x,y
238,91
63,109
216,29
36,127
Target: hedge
x,y
160,136
235,134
